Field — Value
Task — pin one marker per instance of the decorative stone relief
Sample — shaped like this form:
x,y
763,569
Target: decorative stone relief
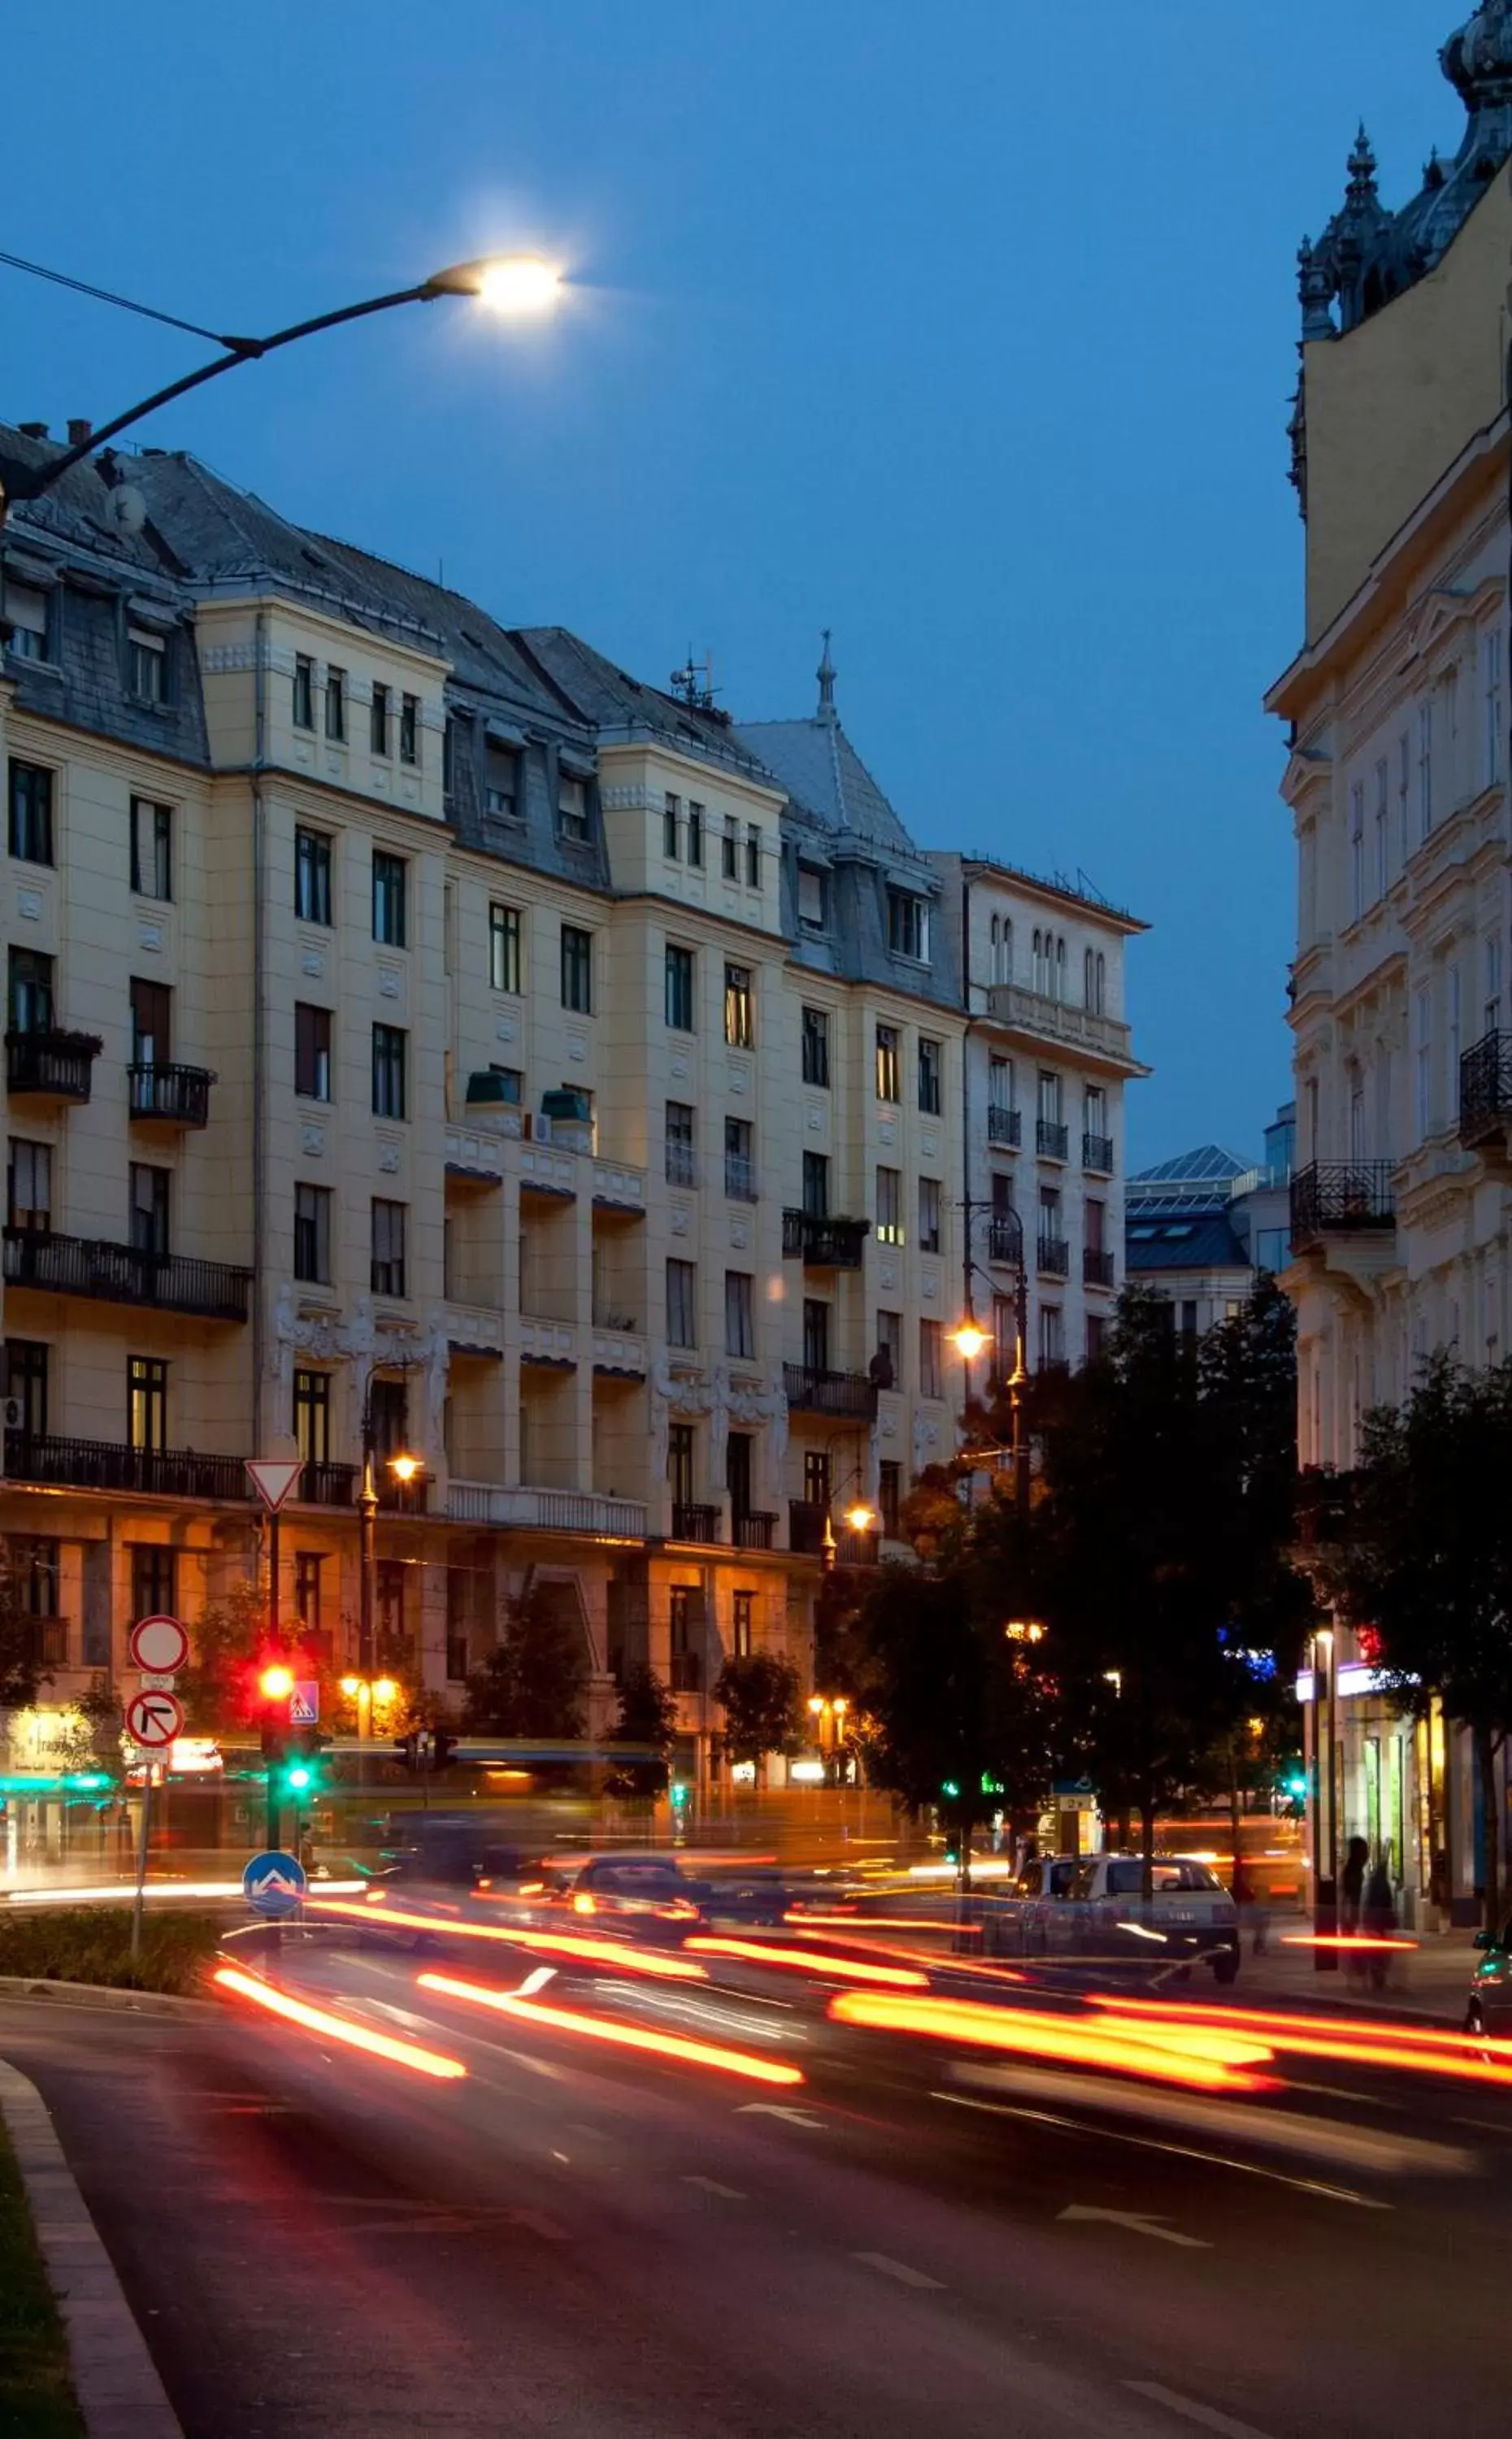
x,y
315,1141
889,1426
678,1219
739,1233
929,1147
388,1159
28,903
507,1028
887,1131
816,1120
389,983
314,962
740,1079
930,1285
887,1276
576,1046
679,1065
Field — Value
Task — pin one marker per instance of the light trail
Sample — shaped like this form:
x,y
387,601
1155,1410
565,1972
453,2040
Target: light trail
x,y
1362,2027
1072,2041
120,1892
1459,2056
1362,1941
620,1954
630,2037
336,2028
838,1969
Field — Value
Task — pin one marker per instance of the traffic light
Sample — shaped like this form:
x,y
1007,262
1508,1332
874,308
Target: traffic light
x,y
304,1749
949,1789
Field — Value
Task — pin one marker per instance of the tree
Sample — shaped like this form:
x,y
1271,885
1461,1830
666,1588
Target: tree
x,y
1426,1560
534,1682
219,1686
647,1715
762,1696
21,1674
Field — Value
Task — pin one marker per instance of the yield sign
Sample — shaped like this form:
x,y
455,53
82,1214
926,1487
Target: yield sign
x,y
274,1477
152,1720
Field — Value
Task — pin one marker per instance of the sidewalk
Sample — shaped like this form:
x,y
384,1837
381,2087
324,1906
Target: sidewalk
x,y
1432,1978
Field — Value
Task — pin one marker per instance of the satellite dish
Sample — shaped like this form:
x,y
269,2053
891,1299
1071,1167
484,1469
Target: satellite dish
x,y
128,506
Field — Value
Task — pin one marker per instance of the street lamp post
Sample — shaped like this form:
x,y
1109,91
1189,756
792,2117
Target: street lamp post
x,y
405,1469
1324,1842
519,283
969,1338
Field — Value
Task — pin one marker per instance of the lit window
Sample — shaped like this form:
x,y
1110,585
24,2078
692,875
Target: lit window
x,y
887,1083
739,1017
889,1206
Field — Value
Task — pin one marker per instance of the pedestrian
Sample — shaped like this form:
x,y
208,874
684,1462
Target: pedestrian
x,y
1351,1898
1379,1921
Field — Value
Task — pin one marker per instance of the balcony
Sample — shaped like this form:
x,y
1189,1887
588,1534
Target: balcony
x,y
589,1512
178,1096
1101,1040
1097,1267
51,1062
823,1244
1005,1241
755,1528
1341,1198
1050,1141
682,1165
806,1527
739,1178
44,1642
1097,1152
857,1549
400,1498
695,1520
1485,1091
111,1273
1054,1257
327,1485
108,1465
619,1191
812,1391
1005,1127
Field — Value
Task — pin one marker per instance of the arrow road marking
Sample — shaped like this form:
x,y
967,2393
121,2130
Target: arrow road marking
x,y
770,2109
1141,2223
1203,2415
898,2269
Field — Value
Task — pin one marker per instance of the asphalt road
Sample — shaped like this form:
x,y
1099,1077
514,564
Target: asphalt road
x,y
573,2242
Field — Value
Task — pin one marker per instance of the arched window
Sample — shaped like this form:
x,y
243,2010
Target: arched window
x,y
1102,982
1089,979
993,969
1006,970
1060,968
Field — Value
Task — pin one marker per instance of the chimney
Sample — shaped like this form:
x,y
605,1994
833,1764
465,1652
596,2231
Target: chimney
x,y
79,431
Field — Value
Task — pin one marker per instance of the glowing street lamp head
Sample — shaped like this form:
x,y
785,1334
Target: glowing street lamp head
x,y
351,1688
384,1690
860,1518
404,1468
970,1339
505,283
276,1683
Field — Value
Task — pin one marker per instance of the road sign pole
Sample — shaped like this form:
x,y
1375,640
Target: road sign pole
x,y
141,1858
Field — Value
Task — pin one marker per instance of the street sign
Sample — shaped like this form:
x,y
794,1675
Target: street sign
x,y
273,1882
304,1703
152,1720
274,1477
159,1644
157,1681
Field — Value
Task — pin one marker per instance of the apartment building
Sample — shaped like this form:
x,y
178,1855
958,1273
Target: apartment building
x,y
424,1037
1202,1227
1397,781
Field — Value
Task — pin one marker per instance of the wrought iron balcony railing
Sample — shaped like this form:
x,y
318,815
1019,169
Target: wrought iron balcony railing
x,y
1004,1126
752,1528
322,1485
46,1641
1337,1197
1054,1257
112,1274
814,1391
1004,1242
52,1060
823,1244
687,1672
682,1165
1051,1141
695,1520
806,1527
739,1178
108,1464
1097,1266
1485,1089
180,1095
1097,1152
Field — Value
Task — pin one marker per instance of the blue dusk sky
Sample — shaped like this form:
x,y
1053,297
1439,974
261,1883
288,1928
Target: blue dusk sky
x,y
966,330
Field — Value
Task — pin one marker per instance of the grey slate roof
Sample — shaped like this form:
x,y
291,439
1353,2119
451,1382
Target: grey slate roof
x,y
817,764
1182,1242
1209,1165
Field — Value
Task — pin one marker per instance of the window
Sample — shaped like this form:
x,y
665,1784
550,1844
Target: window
x,y
312,1416
730,850
409,729
576,969
1095,980
930,1076
908,925
1424,769
1050,1103
152,848
154,1579
739,1008
458,1590
147,1405
1094,1110
1491,665
312,1233
889,1206
695,833
1455,1031
26,607
816,1477
812,913
752,856
1383,823
1272,1248
680,1465
1423,1060
680,1168
1096,1223
150,1210
312,877
505,960
572,807
929,1215
388,1405
739,1160
742,1624
999,1084
30,981
929,1372
389,1044
816,1184
671,826
887,1083
1005,1337
34,1572
890,1497
30,813
379,720
304,698
679,989
500,779
336,705
1052,1336
29,1187
1492,1010
147,665
887,1366
682,1311
815,1334
308,1564
389,1601
740,1314
1001,967
1050,1232
152,1023
388,1266
312,1051
1356,851
26,1380
817,1047
1096,1337
389,875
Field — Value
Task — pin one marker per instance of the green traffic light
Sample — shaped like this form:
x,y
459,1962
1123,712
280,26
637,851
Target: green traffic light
x,y
299,1777
948,1787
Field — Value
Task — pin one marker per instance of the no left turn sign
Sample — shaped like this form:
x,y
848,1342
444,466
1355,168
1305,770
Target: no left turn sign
x,y
152,1720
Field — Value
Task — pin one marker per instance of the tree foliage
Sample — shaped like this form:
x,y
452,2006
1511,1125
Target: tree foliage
x,y
647,1715
21,1674
762,1695
535,1681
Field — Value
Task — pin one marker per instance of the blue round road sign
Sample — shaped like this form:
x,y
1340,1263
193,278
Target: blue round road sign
x,y
274,1883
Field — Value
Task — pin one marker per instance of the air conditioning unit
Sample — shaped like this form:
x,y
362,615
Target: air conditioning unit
x,y
14,1414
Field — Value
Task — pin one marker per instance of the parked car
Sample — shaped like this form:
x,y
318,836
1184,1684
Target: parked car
x,y
1015,1921
1190,1913
1488,2009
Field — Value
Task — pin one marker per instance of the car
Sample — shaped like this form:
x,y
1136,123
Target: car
x,y
1190,1913
1488,2009
645,1894
1015,1921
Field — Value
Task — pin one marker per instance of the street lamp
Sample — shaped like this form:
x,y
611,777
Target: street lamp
x,y
512,284
405,1469
365,1692
970,1340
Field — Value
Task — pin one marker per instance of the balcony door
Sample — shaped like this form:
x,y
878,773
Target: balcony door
x,y
815,1334
737,1472
151,1021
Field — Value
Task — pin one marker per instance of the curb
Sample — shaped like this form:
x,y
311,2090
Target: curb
x,y
115,2377
102,1994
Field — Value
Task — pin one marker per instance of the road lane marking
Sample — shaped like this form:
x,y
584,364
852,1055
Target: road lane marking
x,y
1204,2417
1139,2223
712,2185
900,2270
1178,2150
770,2108
553,2073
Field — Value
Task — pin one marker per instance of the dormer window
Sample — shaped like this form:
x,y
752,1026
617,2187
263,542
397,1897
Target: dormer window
x,y
814,912
147,665
26,607
501,781
908,925
572,807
